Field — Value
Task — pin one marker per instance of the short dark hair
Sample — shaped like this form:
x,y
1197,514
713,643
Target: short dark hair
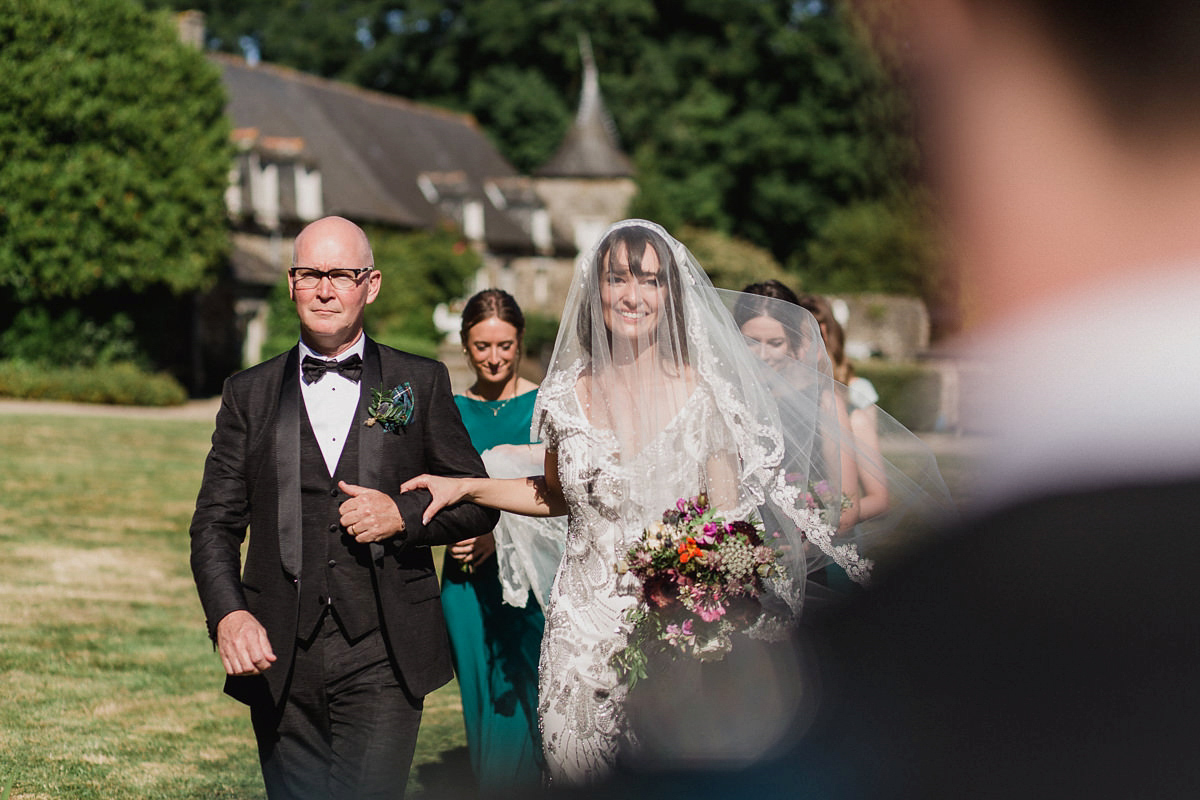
x,y
492,303
1141,61
1138,62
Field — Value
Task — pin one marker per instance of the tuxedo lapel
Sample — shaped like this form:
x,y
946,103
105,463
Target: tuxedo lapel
x,y
287,466
370,440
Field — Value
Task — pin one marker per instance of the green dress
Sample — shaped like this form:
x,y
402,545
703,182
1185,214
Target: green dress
x,y
495,646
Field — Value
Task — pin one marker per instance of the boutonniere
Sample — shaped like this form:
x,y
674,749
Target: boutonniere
x,y
391,408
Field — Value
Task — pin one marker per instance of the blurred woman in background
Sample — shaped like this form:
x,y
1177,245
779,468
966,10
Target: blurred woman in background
x,y
860,398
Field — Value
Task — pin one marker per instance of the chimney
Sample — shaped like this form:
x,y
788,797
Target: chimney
x,y
191,28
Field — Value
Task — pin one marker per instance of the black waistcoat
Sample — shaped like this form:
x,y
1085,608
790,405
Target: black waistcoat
x,y
335,570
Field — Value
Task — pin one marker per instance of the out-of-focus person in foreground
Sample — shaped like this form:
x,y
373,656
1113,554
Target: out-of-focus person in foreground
x,y
1049,647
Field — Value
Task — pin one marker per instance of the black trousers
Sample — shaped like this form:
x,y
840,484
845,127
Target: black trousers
x,y
347,728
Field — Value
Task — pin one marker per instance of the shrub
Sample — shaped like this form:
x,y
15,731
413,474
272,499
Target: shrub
x,y
909,392
70,339
116,152
120,383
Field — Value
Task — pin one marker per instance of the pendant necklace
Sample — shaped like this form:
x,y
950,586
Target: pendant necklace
x,y
497,409
500,404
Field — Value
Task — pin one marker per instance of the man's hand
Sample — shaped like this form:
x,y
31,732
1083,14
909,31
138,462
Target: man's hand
x,y
243,644
474,551
369,515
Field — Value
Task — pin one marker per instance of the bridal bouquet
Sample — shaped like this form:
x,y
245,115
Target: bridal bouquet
x,y
701,578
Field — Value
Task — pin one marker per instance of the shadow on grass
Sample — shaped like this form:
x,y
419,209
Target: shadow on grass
x,y
448,778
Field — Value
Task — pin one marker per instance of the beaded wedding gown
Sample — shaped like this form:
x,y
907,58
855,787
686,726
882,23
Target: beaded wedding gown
x,y
580,697
652,395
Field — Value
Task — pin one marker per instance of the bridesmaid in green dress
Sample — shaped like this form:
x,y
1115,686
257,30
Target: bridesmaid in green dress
x,y
495,645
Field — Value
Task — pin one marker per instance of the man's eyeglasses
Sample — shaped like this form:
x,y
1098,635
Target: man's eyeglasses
x,y
341,279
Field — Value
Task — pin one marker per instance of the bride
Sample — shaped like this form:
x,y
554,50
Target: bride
x,y
653,395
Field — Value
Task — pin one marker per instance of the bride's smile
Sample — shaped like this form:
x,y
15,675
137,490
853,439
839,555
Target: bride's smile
x,y
631,294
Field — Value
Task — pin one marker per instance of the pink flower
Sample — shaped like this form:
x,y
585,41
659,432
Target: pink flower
x,y
707,604
709,536
679,635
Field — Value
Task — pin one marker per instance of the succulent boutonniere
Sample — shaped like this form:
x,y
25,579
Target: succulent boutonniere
x,y
391,408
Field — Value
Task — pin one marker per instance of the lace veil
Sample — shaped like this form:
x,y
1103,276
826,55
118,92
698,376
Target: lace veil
x,y
875,450
673,402
528,549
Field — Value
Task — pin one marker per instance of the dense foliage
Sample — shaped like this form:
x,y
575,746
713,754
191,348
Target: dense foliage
x,y
731,263
115,147
116,158
762,119
117,383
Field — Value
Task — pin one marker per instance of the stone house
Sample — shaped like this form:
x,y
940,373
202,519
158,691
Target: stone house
x,y
307,147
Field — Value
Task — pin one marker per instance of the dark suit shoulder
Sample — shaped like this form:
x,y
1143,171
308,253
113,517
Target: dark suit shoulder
x,y
1047,644
402,359
1060,524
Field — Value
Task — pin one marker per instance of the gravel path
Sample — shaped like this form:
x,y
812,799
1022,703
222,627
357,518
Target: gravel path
x,y
205,410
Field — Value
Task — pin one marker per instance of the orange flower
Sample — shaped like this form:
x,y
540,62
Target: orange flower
x,y
688,550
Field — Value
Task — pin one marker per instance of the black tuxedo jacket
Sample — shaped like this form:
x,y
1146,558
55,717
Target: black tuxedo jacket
x,y
1050,649
252,479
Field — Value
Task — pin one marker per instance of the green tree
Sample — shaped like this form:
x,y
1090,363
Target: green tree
x,y
877,246
761,119
420,270
523,113
730,263
116,158
116,152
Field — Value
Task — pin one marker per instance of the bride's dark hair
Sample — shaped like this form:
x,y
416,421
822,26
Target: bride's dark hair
x,y
636,239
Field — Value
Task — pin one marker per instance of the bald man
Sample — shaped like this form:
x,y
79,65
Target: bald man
x,y
333,634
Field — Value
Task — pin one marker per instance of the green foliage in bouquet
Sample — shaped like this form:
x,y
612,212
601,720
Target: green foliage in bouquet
x,y
701,579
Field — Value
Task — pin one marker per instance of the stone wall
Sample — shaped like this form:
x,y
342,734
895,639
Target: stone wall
x,y
582,208
538,283
890,327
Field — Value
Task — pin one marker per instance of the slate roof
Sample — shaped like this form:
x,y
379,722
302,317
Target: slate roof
x,y
590,148
372,147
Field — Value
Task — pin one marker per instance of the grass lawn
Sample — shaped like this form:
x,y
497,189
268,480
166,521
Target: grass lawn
x,y
110,686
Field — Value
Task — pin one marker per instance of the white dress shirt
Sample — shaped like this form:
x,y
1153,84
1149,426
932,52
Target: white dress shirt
x,y
1103,388
331,403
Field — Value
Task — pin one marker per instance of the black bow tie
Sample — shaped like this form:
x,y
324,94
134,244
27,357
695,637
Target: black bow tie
x,y
315,368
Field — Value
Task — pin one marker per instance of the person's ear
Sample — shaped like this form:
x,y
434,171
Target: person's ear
x,y
374,281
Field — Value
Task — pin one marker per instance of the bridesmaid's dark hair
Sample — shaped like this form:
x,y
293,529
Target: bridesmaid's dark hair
x,y
773,288
492,303
833,333
757,300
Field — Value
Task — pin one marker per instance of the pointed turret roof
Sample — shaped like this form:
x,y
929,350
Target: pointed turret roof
x,y
590,148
